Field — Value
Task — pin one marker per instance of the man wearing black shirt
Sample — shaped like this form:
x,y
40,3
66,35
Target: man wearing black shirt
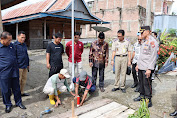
x,y
54,55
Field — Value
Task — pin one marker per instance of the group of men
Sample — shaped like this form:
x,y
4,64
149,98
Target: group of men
x,y
15,62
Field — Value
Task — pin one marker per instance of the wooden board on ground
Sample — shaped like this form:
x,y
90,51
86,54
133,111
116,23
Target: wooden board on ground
x,y
84,109
113,113
99,111
105,108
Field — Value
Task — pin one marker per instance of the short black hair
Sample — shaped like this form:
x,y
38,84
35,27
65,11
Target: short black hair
x,y
58,35
121,31
155,33
101,35
77,33
21,32
5,34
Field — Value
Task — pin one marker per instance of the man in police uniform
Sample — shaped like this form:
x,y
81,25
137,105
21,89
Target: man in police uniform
x,y
121,49
145,64
9,73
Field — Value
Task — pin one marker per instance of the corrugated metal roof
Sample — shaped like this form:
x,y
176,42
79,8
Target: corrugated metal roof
x,y
30,9
59,5
42,15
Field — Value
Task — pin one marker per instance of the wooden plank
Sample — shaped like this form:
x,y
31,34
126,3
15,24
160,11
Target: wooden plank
x,y
125,114
114,112
100,111
84,109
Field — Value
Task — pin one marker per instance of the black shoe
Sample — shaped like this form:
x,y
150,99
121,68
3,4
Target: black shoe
x,y
115,89
113,72
149,104
21,106
123,90
8,109
134,85
174,113
102,89
25,94
136,90
138,98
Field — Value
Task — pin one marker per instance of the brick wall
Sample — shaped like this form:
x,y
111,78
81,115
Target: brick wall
x,y
129,20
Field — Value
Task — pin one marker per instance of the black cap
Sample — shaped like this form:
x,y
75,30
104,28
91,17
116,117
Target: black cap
x,y
101,35
143,28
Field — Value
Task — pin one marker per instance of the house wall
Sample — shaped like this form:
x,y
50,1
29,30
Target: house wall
x,y
36,34
122,14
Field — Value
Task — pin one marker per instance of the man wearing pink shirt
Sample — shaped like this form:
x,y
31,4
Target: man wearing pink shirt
x,y
78,50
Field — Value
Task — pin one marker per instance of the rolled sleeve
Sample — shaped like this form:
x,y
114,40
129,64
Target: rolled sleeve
x,y
67,86
129,47
113,47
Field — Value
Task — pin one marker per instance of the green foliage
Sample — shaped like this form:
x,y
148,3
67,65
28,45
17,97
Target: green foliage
x,y
142,112
109,41
157,31
172,32
87,45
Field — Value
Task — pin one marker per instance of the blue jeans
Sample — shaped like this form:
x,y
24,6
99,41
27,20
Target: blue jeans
x,y
114,65
92,88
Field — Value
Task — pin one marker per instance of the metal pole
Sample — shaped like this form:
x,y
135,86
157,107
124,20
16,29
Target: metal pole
x,y
1,26
148,13
72,38
45,27
16,30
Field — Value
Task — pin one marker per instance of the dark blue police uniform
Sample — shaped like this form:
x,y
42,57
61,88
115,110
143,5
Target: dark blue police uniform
x,y
9,75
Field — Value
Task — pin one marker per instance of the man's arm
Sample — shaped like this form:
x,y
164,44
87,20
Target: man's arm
x,y
107,55
47,60
67,49
76,90
129,54
112,59
133,55
67,86
83,98
91,56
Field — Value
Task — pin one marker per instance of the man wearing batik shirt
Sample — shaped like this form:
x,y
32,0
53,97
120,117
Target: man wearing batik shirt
x,y
98,59
85,81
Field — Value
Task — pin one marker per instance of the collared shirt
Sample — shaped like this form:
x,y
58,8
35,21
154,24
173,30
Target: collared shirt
x,y
136,49
78,50
55,52
22,55
148,54
8,62
87,83
55,82
121,47
99,54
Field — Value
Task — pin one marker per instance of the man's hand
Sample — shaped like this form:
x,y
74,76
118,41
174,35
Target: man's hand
x,y
58,102
106,64
129,63
73,94
91,64
136,68
112,63
148,73
75,97
80,104
48,66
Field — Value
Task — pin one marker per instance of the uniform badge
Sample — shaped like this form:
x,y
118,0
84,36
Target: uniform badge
x,y
117,49
152,44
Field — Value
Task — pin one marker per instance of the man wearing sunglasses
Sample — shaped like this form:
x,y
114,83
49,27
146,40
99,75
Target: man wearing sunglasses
x,y
146,63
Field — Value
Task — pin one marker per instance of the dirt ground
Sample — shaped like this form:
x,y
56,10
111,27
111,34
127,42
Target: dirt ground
x,y
164,93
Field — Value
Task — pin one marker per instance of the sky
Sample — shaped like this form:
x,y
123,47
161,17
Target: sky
x,y
174,7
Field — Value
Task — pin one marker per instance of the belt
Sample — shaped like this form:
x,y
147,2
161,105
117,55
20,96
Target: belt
x,y
121,55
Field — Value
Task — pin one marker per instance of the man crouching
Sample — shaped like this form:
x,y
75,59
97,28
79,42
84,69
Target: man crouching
x,y
85,81
57,84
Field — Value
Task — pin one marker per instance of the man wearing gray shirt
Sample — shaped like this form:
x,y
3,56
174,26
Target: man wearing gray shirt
x,y
146,63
